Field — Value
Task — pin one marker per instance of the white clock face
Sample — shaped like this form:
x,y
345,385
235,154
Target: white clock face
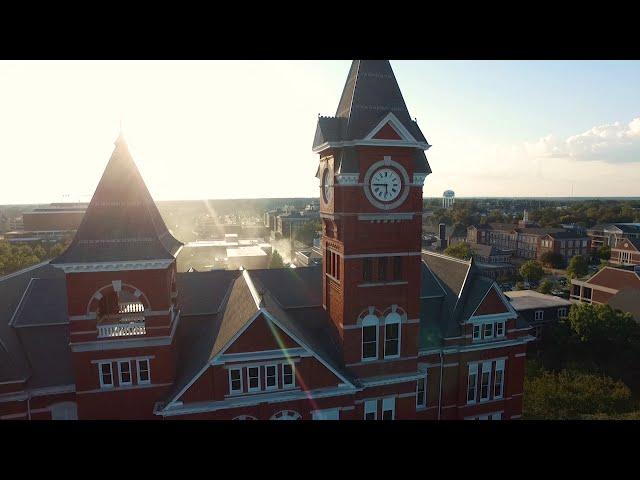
x,y
327,184
385,184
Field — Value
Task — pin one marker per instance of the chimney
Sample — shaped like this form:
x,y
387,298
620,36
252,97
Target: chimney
x,y
442,228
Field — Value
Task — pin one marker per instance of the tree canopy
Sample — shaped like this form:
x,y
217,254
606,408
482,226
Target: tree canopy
x,y
578,267
14,257
459,250
276,260
532,271
571,394
552,260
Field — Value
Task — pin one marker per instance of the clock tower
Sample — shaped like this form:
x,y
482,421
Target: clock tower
x,y
372,169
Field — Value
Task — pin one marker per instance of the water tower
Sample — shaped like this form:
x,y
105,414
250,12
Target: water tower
x,y
448,199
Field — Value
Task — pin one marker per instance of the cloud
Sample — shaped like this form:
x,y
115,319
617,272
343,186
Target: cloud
x,y
612,143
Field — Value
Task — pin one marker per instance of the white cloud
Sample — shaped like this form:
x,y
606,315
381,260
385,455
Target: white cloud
x,y
612,143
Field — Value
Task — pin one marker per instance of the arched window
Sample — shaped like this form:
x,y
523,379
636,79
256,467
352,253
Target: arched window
x,y
392,324
370,337
64,411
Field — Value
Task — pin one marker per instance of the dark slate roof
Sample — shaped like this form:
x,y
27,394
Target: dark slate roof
x,y
562,234
122,222
420,163
628,228
27,353
291,287
627,300
370,93
44,303
47,350
202,293
347,161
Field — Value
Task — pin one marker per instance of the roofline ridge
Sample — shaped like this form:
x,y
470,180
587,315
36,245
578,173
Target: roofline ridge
x,y
252,288
24,270
448,257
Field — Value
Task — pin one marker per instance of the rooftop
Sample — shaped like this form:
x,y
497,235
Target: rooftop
x,y
530,299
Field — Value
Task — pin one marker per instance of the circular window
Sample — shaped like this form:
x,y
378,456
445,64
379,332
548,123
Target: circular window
x,y
287,415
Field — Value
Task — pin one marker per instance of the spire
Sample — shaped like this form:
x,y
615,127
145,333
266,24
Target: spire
x,y
370,93
122,222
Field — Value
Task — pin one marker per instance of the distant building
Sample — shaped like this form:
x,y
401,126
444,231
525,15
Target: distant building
x,y
538,309
605,285
567,244
492,261
252,257
448,199
626,252
48,224
610,234
525,240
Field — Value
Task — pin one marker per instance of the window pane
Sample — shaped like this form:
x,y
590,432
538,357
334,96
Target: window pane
x,y
382,269
370,416
369,333
397,268
369,350
387,415
366,269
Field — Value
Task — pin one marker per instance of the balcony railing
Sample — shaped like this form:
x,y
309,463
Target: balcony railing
x,y
121,325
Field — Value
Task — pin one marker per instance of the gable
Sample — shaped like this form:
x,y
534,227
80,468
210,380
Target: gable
x,y
627,245
492,304
387,133
261,335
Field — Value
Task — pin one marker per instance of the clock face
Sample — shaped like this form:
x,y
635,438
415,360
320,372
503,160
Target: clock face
x,y
327,184
385,184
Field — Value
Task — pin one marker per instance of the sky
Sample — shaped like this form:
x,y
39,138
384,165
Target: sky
x,y
244,129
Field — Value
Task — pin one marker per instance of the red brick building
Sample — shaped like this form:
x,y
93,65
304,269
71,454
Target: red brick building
x,y
626,252
380,331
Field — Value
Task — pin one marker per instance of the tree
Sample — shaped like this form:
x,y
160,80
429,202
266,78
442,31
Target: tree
x,y
532,271
276,260
552,260
545,287
571,395
604,252
578,267
459,250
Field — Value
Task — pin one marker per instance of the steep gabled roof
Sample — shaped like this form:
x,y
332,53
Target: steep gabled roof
x,y
122,222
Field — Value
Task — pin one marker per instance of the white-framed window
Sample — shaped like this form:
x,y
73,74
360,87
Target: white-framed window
x,y
235,380
485,381
498,379
389,408
539,315
124,372
562,312
472,383
421,392
487,330
500,329
105,375
144,372
476,332
496,416
329,414
288,375
271,377
392,335
370,409
370,337
253,379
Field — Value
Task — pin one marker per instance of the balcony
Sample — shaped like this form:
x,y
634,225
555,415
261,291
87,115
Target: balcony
x,y
129,321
